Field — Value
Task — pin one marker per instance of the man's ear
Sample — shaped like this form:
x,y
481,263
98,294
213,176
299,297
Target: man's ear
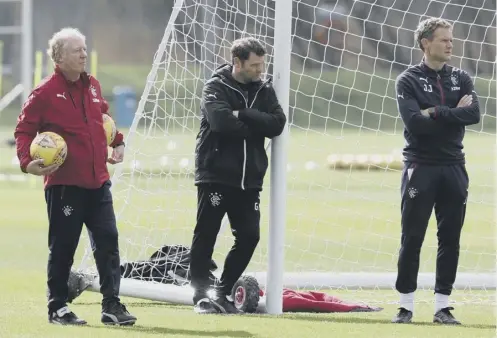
x,y
237,62
424,43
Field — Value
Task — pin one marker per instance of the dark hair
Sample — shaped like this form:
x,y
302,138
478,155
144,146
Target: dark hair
x,y
427,28
242,48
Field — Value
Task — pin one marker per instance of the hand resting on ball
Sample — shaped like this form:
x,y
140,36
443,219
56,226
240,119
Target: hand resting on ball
x,y
37,168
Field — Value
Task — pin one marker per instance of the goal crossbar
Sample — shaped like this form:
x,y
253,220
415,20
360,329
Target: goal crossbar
x,y
331,199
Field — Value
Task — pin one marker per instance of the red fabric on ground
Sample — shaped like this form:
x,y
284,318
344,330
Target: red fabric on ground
x,y
312,301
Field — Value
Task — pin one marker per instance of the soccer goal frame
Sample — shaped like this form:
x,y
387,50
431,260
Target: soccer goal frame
x,y
275,279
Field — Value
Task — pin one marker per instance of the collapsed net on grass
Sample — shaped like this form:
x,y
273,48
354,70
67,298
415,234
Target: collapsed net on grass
x,y
343,213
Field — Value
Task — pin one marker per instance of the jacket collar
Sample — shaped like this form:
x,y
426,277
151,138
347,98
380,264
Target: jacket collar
x,y
225,72
432,72
85,77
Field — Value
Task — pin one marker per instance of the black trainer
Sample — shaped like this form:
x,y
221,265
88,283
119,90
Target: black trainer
x,y
115,313
223,305
403,317
64,316
204,306
444,316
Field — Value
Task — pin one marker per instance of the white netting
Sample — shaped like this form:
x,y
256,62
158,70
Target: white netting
x,y
343,214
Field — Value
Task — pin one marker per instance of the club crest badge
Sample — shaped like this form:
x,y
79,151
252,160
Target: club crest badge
x,y
93,91
454,79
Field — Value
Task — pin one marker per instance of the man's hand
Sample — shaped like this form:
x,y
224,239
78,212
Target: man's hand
x,y
235,112
117,155
426,112
465,101
36,168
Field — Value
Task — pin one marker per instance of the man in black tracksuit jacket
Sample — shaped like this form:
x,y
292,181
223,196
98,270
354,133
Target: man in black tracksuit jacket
x,y
435,106
238,112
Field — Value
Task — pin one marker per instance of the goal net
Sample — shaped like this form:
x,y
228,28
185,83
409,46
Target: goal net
x,y
345,140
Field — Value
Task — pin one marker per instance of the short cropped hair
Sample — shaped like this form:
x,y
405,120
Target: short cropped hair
x,y
426,29
242,48
58,41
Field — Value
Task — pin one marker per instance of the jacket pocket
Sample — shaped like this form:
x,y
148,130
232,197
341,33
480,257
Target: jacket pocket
x,y
260,162
224,159
210,150
211,158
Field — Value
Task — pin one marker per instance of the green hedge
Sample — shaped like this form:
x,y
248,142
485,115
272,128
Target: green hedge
x,y
328,99
352,99
342,99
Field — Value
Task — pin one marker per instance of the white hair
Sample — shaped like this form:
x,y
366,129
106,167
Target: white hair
x,y
58,41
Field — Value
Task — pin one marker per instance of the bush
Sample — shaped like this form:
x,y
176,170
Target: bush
x,y
331,99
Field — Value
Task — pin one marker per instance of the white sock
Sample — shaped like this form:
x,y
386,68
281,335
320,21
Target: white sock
x,y
441,301
407,301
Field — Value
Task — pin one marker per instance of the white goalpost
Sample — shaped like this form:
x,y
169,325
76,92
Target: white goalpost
x,y
25,31
331,201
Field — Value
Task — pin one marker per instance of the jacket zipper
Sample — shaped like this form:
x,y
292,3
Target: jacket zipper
x,y
442,95
89,132
85,118
244,169
257,93
74,104
255,96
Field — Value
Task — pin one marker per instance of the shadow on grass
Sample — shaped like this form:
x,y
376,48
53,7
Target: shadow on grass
x,y
345,318
135,304
170,331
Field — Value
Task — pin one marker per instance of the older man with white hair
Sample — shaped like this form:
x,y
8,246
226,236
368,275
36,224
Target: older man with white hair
x,y
69,102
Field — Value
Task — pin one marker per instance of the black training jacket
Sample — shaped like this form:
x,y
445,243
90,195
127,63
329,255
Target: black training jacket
x,y
230,150
436,139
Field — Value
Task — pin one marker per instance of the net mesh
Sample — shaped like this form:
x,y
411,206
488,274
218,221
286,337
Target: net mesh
x,y
343,212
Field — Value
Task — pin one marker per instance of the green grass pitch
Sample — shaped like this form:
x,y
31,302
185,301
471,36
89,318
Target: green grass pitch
x,y
343,221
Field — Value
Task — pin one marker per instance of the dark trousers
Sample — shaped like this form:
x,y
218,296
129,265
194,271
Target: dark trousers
x,y
68,208
423,187
242,207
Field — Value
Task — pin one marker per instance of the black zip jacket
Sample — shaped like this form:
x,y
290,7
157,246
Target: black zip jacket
x,y
230,150
436,139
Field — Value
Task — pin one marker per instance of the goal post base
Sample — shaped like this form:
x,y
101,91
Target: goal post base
x,y
183,295
160,292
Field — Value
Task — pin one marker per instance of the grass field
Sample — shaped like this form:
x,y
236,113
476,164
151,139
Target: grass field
x,y
337,220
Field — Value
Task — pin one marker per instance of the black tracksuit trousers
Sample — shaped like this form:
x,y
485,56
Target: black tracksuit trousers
x,y
242,207
68,208
423,187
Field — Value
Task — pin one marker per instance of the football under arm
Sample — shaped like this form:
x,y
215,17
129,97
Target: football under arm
x,y
28,125
409,110
460,115
219,113
119,138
